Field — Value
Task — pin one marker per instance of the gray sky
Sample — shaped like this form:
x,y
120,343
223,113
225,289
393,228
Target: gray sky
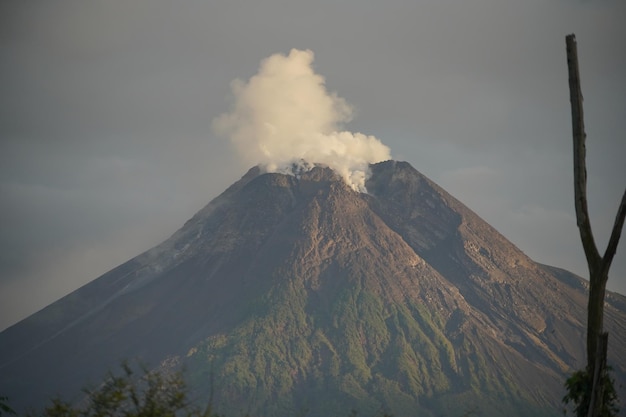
x,y
106,109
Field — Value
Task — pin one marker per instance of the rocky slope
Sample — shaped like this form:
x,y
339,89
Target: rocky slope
x,y
293,294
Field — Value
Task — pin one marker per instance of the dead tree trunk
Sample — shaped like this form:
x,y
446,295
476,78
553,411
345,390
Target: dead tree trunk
x,y
598,265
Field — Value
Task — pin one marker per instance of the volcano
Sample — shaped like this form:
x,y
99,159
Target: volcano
x,y
296,295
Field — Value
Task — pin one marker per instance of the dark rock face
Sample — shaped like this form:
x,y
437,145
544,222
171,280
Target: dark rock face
x,y
296,293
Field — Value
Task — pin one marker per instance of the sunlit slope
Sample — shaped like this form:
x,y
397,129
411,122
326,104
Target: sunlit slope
x,y
295,293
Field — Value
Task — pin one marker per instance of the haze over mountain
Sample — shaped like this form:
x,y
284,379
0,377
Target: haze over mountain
x,y
294,292
323,281
105,146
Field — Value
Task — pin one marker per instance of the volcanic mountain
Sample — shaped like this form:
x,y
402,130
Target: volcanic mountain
x,y
295,294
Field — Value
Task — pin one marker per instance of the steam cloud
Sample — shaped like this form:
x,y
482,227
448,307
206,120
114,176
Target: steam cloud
x,y
284,116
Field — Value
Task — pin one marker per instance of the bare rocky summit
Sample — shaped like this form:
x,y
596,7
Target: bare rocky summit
x,y
294,294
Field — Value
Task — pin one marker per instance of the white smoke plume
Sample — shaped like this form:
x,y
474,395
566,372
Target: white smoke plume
x,y
284,116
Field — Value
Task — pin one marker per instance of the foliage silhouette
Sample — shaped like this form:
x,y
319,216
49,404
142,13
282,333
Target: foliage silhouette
x,y
579,393
5,409
152,394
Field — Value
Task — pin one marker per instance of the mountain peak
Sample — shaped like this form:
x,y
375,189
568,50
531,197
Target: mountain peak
x,y
296,292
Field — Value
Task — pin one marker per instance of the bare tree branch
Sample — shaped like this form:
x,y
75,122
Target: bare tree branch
x,y
580,170
615,235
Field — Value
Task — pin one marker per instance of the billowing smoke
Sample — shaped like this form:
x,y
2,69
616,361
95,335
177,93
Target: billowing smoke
x,y
284,116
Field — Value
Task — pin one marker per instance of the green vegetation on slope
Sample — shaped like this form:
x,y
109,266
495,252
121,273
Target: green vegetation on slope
x,y
355,350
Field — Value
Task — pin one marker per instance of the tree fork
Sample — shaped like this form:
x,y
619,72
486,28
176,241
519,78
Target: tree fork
x,y
598,265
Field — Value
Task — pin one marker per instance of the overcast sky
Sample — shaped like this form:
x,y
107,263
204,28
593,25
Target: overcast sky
x,y
106,109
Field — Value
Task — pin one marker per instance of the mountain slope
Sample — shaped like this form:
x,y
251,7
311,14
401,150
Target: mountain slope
x,y
296,293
